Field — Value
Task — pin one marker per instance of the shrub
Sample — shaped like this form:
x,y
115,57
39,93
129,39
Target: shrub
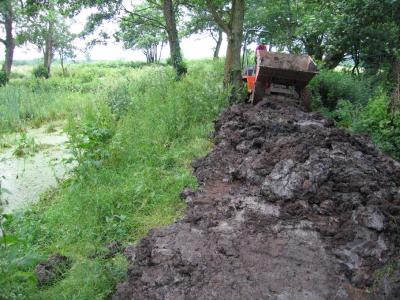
x,y
3,78
345,113
330,86
41,72
382,126
119,99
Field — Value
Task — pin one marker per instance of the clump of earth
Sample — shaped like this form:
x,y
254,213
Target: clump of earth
x,y
289,207
52,270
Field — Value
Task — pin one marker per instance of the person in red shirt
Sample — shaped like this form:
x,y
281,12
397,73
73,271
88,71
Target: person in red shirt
x,y
261,45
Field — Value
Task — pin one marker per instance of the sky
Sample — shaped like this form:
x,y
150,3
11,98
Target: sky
x,y
196,47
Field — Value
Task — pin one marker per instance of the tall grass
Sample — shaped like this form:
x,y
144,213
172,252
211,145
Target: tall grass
x,y
22,106
121,195
30,102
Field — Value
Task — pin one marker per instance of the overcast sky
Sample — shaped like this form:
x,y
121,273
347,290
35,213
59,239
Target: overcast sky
x,y
197,46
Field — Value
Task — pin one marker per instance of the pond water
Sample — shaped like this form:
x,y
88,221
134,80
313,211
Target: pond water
x,y
27,177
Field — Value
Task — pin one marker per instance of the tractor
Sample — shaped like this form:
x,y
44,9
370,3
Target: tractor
x,y
277,73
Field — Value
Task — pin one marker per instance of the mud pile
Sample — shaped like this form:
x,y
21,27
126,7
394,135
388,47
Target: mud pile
x,y
289,208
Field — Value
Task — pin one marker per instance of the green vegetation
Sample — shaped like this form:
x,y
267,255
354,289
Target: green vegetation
x,y
41,72
29,101
135,127
26,146
359,104
144,148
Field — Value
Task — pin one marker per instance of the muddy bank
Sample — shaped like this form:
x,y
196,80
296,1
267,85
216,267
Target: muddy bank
x,y
289,208
28,176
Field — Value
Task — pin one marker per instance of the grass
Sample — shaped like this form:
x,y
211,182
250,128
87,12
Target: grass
x,y
28,101
133,164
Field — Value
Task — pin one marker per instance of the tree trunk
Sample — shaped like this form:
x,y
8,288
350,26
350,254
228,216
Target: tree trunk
x,y
218,45
234,32
160,52
233,68
9,41
62,62
48,51
175,49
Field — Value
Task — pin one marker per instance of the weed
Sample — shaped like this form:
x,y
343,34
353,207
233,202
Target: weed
x,y
26,146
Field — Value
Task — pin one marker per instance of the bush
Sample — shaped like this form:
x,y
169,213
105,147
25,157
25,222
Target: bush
x,y
345,113
382,126
3,78
373,119
119,99
330,86
41,72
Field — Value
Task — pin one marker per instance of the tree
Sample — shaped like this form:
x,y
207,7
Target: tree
x,y
301,26
46,28
230,18
200,21
7,14
64,45
147,34
110,9
169,11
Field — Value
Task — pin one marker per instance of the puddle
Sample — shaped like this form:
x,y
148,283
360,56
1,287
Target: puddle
x,y
26,178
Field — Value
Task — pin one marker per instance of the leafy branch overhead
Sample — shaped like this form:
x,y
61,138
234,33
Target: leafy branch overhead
x,y
137,32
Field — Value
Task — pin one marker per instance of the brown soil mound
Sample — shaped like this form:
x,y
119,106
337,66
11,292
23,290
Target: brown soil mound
x,y
289,208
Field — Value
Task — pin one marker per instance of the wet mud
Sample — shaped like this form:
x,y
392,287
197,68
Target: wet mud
x,y
289,207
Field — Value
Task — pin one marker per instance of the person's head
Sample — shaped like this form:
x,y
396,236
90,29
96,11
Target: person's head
x,y
262,41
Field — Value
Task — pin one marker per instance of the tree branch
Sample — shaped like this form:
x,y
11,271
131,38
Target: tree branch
x,y
3,41
155,22
217,17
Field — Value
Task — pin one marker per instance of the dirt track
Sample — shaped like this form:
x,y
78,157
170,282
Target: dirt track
x,y
289,208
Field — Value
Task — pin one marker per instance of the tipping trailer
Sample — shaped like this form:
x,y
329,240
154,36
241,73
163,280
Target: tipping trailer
x,y
279,73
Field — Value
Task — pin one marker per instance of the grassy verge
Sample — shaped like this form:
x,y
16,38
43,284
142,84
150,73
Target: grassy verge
x,y
134,159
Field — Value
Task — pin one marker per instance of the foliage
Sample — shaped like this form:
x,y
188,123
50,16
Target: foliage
x,y
149,152
32,102
137,32
354,104
329,87
119,99
89,133
26,146
47,29
41,72
3,78
383,127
